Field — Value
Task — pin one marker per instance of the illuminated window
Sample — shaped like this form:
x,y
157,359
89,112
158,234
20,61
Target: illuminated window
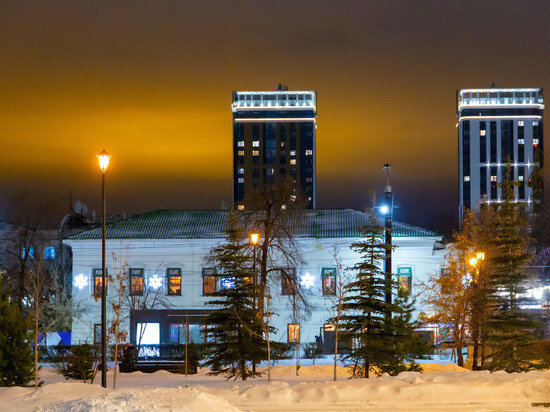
x,y
240,180
309,152
493,178
482,132
289,285
404,278
227,282
329,327
255,152
292,161
521,123
520,178
293,152
309,179
466,178
24,253
240,143
535,141
329,281
256,143
49,252
208,281
240,152
240,207
521,141
535,123
177,333
96,273
293,332
174,281
136,281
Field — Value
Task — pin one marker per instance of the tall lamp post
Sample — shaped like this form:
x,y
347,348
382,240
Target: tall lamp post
x,y
103,158
475,262
388,199
254,238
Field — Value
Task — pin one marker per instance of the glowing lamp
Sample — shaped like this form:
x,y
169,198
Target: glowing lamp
x,y
103,158
473,261
384,209
307,280
80,281
254,237
155,282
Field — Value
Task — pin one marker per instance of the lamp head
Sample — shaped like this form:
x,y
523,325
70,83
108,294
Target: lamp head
x,y
473,261
384,209
254,237
103,158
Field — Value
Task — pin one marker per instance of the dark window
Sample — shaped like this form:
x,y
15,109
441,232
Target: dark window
x,y
466,164
174,281
483,181
506,142
482,142
521,143
97,334
538,148
493,142
289,284
494,182
208,281
292,136
136,281
521,181
329,281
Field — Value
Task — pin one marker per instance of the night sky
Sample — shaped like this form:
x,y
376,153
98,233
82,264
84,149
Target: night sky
x,y
151,82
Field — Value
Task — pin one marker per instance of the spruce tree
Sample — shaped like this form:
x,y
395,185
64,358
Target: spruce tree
x,y
511,331
233,331
376,340
16,355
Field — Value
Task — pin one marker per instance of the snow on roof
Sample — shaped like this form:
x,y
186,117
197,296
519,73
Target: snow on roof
x,y
210,224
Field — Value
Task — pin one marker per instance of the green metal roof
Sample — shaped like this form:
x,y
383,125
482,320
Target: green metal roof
x,y
209,224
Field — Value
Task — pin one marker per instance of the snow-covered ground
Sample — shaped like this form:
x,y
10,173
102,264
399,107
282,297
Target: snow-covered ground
x,y
440,387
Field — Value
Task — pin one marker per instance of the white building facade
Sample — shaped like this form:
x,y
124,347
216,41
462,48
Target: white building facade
x,y
164,253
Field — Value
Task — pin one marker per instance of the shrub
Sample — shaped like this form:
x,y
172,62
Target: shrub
x,y
79,363
312,351
16,355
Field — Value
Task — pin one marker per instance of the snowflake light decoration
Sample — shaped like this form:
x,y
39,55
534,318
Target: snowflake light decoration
x,y
307,280
155,282
80,281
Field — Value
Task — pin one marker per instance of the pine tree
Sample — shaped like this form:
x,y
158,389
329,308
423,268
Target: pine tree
x,y
232,325
377,340
511,331
79,363
16,356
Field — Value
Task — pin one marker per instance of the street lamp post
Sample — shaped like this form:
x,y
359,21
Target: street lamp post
x,y
254,237
388,195
103,158
475,262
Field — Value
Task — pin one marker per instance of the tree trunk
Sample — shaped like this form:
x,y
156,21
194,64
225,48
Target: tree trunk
x,y
459,357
